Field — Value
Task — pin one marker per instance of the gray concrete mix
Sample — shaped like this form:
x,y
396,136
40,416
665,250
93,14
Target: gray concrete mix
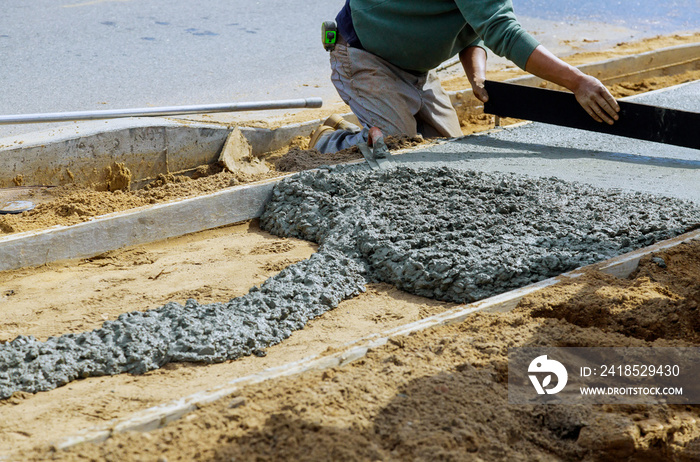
x,y
597,159
461,235
445,233
448,232
137,342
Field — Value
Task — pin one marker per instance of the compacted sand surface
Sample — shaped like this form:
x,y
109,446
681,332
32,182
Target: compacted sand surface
x,y
441,394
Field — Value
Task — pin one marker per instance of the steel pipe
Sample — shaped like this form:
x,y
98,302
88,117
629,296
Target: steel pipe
x,y
159,111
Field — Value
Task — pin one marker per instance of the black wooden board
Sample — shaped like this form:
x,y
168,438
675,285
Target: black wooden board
x,y
639,121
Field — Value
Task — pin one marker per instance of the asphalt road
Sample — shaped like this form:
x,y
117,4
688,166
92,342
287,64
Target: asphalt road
x,y
652,16
70,55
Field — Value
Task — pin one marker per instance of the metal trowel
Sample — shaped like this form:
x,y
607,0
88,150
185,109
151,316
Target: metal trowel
x,y
375,151
15,200
13,207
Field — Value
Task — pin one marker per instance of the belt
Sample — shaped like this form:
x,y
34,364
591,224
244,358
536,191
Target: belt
x,y
340,40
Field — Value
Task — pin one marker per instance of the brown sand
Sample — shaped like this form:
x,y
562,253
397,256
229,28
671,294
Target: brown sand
x,y
441,394
118,177
69,205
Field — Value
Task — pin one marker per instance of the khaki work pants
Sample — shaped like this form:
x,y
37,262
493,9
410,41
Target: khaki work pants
x,y
385,96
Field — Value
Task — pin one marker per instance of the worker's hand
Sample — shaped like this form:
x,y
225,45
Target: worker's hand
x,y
474,62
596,99
590,93
479,89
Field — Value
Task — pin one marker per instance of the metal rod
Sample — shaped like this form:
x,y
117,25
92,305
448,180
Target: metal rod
x,y
159,111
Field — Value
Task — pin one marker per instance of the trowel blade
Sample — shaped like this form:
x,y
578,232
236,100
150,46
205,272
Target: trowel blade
x,y
381,153
369,156
383,162
13,207
639,121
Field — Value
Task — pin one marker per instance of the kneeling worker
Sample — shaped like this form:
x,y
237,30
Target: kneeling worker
x,y
386,51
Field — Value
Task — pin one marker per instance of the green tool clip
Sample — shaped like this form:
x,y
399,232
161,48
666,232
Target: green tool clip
x,y
329,31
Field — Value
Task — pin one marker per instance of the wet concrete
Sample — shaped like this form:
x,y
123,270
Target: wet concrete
x,y
141,341
446,232
597,159
462,235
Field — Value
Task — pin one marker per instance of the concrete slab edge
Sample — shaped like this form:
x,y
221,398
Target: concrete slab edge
x,y
82,154
159,416
134,227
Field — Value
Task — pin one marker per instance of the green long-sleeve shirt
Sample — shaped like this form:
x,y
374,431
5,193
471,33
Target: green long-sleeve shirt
x,y
418,35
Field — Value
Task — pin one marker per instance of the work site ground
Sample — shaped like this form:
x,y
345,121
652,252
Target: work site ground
x,y
438,393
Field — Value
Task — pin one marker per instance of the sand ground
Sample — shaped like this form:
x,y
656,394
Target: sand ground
x,y
210,266
441,394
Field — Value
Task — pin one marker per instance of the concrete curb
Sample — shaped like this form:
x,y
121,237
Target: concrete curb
x,y
159,416
134,227
147,147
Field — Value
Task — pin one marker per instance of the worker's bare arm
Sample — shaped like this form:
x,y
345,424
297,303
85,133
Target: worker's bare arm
x,y
590,93
474,62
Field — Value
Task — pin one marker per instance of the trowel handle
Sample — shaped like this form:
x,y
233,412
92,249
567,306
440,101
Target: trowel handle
x,y
376,140
375,134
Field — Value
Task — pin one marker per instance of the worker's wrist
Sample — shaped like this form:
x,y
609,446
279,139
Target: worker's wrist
x,y
574,79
